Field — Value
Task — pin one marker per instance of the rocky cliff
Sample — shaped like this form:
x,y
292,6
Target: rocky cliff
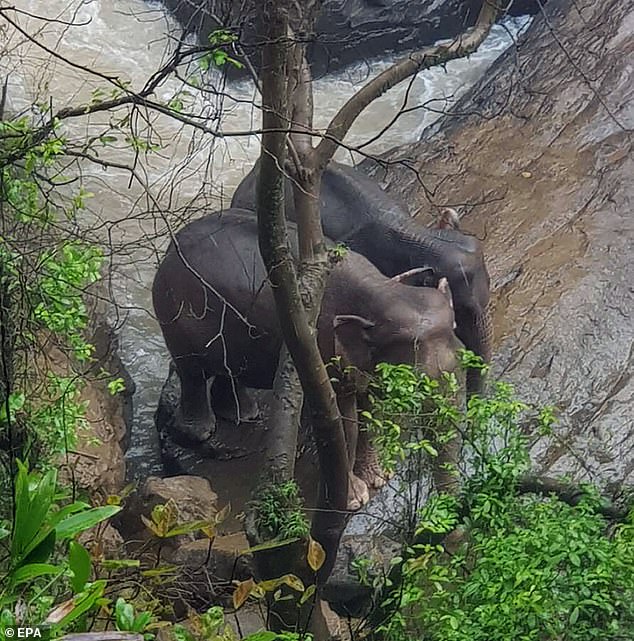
x,y
539,157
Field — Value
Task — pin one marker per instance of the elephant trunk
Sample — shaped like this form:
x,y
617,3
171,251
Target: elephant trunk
x,y
481,333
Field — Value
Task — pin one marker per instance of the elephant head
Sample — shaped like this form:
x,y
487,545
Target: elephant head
x,y
416,328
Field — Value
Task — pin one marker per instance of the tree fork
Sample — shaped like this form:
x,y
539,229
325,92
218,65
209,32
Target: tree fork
x,y
297,329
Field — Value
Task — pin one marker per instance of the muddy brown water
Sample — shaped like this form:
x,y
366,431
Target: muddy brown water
x,y
190,173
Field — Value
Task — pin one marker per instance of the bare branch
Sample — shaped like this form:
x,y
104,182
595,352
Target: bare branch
x,y
461,46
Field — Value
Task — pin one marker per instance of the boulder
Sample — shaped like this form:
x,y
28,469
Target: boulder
x,y
193,497
347,30
225,562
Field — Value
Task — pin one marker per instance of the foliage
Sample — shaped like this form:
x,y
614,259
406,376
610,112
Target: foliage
x,y
44,273
220,40
410,412
211,626
164,523
279,512
44,561
527,567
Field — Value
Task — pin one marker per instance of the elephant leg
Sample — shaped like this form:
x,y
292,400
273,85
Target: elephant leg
x,y
232,401
194,418
367,466
444,467
358,494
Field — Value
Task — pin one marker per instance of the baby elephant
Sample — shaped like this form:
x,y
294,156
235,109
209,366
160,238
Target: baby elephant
x,y
217,314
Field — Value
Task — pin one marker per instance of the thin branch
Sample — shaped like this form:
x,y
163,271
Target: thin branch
x,y
463,45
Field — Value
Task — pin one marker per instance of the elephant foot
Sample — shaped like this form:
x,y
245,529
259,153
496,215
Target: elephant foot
x,y
358,493
196,430
369,470
232,401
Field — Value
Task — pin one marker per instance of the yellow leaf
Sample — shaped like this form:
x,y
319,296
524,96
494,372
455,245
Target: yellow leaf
x,y
258,592
310,590
293,582
223,514
271,584
242,592
527,174
150,525
316,555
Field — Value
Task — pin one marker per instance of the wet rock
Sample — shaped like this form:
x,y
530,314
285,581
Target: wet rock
x,y
374,536
348,591
176,450
192,496
541,158
224,563
96,464
348,30
232,459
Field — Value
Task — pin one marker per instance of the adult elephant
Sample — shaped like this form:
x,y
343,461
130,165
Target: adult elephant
x,y
217,314
357,212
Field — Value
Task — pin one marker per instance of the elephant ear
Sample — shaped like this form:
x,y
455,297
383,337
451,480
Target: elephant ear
x,y
353,342
419,277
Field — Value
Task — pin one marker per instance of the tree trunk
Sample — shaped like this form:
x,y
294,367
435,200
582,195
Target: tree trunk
x,y
296,323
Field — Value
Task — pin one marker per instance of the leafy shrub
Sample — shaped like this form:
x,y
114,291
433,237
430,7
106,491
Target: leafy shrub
x,y
279,512
527,567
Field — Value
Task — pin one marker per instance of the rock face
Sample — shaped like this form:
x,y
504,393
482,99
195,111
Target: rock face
x,y
97,464
348,30
542,157
543,160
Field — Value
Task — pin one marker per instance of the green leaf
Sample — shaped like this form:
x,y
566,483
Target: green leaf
x,y
574,615
73,525
79,562
33,571
264,635
141,621
33,500
44,548
269,545
124,615
116,564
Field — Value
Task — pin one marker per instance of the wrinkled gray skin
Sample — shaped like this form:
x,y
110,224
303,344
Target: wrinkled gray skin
x,y
357,212
218,318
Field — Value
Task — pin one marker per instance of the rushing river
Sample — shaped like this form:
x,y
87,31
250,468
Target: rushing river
x,y
188,171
